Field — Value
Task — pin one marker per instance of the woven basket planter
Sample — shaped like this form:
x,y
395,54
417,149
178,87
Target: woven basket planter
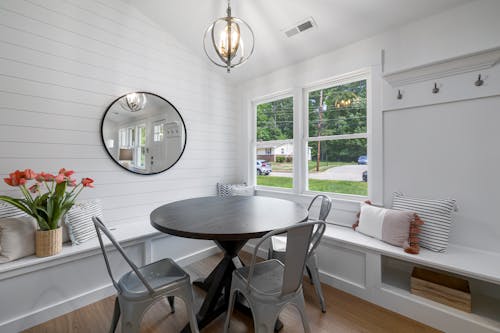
x,y
48,242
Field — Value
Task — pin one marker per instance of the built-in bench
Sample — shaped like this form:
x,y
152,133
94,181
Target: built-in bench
x,y
467,261
35,290
131,232
380,273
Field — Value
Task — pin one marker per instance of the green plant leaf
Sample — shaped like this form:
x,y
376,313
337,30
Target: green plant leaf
x,y
18,203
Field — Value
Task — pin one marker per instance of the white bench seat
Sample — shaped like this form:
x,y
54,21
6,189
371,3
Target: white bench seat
x,y
462,260
137,231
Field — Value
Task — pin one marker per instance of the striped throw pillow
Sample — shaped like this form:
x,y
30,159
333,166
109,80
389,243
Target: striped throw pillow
x,y
229,190
8,211
436,215
79,220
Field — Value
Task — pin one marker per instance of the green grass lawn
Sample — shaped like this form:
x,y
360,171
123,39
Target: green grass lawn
x,y
337,186
288,167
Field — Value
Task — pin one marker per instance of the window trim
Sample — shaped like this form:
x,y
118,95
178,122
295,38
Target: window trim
x,y
252,179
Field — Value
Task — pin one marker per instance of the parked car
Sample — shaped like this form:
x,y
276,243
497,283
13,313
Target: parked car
x,y
363,160
365,176
264,167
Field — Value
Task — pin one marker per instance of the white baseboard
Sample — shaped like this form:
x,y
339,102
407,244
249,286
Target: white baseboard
x,y
44,314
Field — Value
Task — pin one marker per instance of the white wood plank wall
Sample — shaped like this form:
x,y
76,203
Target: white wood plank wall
x,y
63,61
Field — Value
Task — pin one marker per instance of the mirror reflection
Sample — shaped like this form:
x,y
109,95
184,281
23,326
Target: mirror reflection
x,y
143,133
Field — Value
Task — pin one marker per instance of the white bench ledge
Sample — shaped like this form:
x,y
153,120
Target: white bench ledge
x,y
467,261
124,233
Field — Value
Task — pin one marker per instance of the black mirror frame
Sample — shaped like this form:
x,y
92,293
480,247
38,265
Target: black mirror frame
x,y
115,161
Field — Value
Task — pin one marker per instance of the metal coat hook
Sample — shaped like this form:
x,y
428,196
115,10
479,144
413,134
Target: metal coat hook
x,y
479,82
436,89
400,95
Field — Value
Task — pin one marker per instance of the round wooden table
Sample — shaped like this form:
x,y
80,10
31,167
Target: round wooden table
x,y
230,223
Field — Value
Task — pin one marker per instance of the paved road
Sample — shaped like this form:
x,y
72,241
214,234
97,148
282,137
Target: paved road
x,y
345,172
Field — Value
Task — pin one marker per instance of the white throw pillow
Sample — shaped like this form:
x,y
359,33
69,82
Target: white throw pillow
x,y
17,237
79,220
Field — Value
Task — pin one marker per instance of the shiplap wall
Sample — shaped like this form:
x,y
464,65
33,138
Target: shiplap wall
x,y
63,61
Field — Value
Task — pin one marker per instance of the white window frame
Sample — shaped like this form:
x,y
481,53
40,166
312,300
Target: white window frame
x,y
252,175
362,75
301,136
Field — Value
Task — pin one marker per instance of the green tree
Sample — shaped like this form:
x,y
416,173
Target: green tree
x,y
275,120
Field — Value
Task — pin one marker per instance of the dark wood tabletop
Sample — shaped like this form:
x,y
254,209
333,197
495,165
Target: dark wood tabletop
x,y
226,219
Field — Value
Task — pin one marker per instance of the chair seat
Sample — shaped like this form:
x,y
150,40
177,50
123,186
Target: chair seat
x,y
267,277
161,275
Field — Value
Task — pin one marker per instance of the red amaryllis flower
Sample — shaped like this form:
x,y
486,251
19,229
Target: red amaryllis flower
x,y
45,177
16,178
60,178
34,188
87,182
30,174
71,182
65,172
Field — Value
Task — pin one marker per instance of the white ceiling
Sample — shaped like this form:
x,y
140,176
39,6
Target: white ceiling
x,y
340,22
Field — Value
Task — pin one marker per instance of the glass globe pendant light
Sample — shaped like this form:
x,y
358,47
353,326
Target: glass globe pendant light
x,y
224,41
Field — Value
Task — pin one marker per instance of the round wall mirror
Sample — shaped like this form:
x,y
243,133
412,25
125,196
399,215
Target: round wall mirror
x,y
143,133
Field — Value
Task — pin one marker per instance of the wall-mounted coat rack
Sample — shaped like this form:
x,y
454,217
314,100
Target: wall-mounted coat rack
x,y
435,90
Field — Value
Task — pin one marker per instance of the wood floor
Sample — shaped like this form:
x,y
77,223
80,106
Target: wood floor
x,y
345,313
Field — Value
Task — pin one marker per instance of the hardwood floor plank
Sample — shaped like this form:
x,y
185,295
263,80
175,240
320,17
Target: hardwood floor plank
x,y
345,313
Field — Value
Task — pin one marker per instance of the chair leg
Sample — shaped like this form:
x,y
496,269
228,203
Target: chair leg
x,y
232,300
171,302
312,267
187,296
302,310
132,316
309,275
116,316
264,318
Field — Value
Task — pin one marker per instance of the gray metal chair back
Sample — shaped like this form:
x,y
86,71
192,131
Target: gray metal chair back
x,y
100,227
169,280
302,240
326,206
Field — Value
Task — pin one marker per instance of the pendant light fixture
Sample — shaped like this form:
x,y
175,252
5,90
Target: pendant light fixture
x,y
228,41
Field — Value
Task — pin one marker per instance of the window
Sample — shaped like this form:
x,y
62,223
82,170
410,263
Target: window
x,y
332,153
140,160
135,138
337,142
274,129
158,132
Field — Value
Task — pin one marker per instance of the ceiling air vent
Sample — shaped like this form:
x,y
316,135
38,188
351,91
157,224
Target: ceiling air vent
x,y
301,26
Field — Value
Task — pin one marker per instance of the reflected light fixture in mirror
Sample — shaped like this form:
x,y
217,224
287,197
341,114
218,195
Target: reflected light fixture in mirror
x,y
134,102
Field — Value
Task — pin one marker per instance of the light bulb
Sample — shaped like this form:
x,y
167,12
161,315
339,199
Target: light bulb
x,y
224,40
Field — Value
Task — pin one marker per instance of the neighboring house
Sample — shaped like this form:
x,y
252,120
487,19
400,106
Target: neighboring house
x,y
270,150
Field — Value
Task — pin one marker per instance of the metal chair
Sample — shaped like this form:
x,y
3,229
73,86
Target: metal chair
x,y
142,286
278,247
270,285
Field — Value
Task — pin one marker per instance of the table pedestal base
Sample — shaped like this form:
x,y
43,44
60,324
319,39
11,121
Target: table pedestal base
x,y
218,286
